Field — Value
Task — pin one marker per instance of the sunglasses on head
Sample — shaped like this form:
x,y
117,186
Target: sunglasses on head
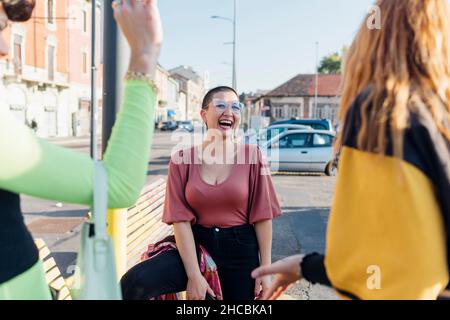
x,y
18,10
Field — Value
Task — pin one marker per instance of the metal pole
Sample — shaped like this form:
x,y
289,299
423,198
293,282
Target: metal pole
x,y
110,107
93,84
317,78
111,88
234,49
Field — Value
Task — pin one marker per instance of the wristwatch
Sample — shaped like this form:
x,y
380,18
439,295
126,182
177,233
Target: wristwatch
x,y
140,76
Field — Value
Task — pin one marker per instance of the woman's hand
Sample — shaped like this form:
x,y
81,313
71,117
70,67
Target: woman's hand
x,y
287,272
262,284
197,287
140,23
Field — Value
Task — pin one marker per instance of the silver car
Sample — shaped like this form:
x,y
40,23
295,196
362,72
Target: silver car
x,y
302,150
186,125
270,132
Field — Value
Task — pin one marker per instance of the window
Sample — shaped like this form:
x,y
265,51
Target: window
x,y
322,140
84,62
17,60
292,141
51,63
273,133
294,112
278,112
84,21
50,16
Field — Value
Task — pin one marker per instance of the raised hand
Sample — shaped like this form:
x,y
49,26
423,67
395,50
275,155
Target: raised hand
x,y
140,23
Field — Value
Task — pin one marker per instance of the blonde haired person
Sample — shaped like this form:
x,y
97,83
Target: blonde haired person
x,y
388,233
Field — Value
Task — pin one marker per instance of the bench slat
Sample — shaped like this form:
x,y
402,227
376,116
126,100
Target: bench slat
x,y
152,225
58,284
52,275
148,194
152,193
152,235
44,253
39,243
145,202
147,211
134,257
152,217
64,294
49,264
153,185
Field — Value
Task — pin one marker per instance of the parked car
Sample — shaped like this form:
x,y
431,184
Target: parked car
x,y
317,124
169,126
303,151
268,133
187,125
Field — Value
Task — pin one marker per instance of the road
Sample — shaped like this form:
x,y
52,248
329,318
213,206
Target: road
x,y
305,201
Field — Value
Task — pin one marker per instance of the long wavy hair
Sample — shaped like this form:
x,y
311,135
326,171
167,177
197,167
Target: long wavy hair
x,y
407,65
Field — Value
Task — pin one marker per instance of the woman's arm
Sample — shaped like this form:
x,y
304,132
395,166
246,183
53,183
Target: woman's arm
x,y
197,285
35,167
264,235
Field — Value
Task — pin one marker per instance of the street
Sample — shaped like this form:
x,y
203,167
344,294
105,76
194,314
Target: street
x,y
305,201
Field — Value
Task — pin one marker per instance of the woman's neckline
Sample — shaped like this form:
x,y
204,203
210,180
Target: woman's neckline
x,y
198,167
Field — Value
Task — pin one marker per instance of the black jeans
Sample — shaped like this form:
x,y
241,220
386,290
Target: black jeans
x,y
234,250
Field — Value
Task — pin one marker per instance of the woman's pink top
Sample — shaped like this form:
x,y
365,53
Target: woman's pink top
x,y
246,196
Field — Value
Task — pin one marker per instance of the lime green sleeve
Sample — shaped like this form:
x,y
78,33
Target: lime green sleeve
x,y
35,167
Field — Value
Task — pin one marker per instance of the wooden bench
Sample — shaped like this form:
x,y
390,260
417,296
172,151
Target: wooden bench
x,y
144,222
53,276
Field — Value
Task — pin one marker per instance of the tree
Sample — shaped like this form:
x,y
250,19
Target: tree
x,y
331,64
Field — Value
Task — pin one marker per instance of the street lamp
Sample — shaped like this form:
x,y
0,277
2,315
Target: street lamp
x,y
317,78
233,21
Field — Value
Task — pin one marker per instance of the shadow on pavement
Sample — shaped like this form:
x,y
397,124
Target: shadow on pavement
x,y
66,262
60,214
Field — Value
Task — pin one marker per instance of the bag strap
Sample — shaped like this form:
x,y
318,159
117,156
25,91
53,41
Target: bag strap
x,y
100,205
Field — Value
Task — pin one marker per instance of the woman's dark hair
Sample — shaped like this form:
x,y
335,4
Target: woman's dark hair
x,y
19,10
209,96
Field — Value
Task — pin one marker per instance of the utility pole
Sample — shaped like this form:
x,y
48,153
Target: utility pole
x,y
317,78
93,83
115,56
233,21
234,48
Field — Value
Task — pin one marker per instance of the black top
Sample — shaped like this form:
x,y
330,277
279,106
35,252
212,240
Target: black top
x,y
423,148
18,252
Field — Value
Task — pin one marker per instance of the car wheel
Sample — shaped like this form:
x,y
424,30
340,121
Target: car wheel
x,y
331,169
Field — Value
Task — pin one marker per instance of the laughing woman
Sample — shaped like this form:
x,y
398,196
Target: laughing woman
x,y
219,195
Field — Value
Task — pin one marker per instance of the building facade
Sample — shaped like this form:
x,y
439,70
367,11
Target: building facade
x,y
46,77
46,80
296,98
193,86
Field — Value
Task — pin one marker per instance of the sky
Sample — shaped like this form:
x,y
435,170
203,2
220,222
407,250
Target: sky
x,y
275,38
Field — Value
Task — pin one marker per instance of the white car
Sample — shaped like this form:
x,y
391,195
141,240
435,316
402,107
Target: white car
x,y
302,150
270,132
